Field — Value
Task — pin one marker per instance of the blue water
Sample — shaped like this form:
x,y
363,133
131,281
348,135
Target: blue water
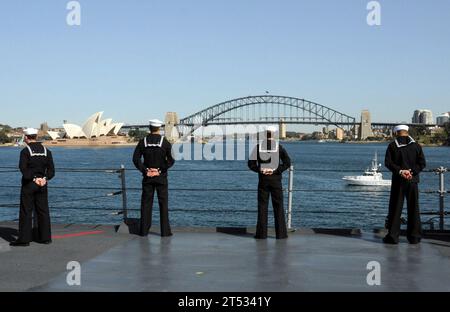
x,y
314,164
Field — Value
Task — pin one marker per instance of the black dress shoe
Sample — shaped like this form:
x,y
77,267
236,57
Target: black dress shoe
x,y
45,242
19,244
259,237
167,235
389,240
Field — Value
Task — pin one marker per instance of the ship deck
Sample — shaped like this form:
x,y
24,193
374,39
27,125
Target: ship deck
x,y
205,260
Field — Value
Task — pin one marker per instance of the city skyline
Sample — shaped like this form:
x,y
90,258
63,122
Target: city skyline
x,y
420,117
139,60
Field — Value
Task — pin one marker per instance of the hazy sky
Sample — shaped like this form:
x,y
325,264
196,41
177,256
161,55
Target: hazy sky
x,y
137,59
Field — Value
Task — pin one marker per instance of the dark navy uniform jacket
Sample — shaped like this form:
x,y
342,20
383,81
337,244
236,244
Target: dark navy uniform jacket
x,y
157,153
36,161
404,154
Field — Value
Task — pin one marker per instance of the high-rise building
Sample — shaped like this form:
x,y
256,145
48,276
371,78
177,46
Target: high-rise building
x,y
416,116
442,119
426,117
43,127
422,116
339,134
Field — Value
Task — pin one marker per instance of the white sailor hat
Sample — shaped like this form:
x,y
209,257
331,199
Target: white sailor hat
x,y
400,128
155,123
30,131
272,129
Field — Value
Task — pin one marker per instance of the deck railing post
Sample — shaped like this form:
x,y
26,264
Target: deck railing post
x,y
124,193
441,171
290,193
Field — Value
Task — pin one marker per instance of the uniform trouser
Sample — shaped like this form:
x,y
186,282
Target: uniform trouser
x,y
270,186
34,197
148,192
399,191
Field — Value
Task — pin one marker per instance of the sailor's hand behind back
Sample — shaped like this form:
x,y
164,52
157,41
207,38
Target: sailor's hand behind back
x,y
406,174
267,171
409,175
152,172
40,182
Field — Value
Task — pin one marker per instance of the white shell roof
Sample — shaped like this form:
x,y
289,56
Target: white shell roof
x,y
93,127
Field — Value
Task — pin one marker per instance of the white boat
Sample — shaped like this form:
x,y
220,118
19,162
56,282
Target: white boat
x,y
371,177
20,142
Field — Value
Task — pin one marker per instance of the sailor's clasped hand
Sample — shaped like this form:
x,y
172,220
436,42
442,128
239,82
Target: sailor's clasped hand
x,y
153,172
406,174
267,171
40,181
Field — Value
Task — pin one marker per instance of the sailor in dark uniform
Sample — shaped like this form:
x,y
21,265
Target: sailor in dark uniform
x,y
405,158
269,159
157,153
36,165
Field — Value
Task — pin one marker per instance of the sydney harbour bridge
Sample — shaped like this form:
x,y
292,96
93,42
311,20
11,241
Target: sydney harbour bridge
x,y
267,109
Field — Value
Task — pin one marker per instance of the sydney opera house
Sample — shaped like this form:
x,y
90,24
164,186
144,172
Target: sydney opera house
x,y
94,130
94,127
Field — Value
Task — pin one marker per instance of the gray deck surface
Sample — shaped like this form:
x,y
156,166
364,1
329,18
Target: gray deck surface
x,y
204,260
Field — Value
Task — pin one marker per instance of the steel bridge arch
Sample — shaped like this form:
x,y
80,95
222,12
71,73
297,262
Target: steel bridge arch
x,y
322,113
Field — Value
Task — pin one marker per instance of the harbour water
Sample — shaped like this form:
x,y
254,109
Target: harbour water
x,y
199,195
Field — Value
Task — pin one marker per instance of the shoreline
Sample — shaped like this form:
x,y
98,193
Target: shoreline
x,y
360,142
90,145
128,144
76,145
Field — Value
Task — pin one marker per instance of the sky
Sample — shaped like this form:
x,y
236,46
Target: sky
x,y
137,59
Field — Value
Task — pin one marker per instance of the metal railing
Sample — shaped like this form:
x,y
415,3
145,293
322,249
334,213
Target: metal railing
x,y
442,192
441,213
109,191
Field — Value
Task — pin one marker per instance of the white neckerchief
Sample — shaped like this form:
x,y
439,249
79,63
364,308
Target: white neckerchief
x,y
403,145
266,150
33,154
153,145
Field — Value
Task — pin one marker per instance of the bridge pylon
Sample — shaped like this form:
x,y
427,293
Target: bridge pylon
x,y
170,129
282,127
365,129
